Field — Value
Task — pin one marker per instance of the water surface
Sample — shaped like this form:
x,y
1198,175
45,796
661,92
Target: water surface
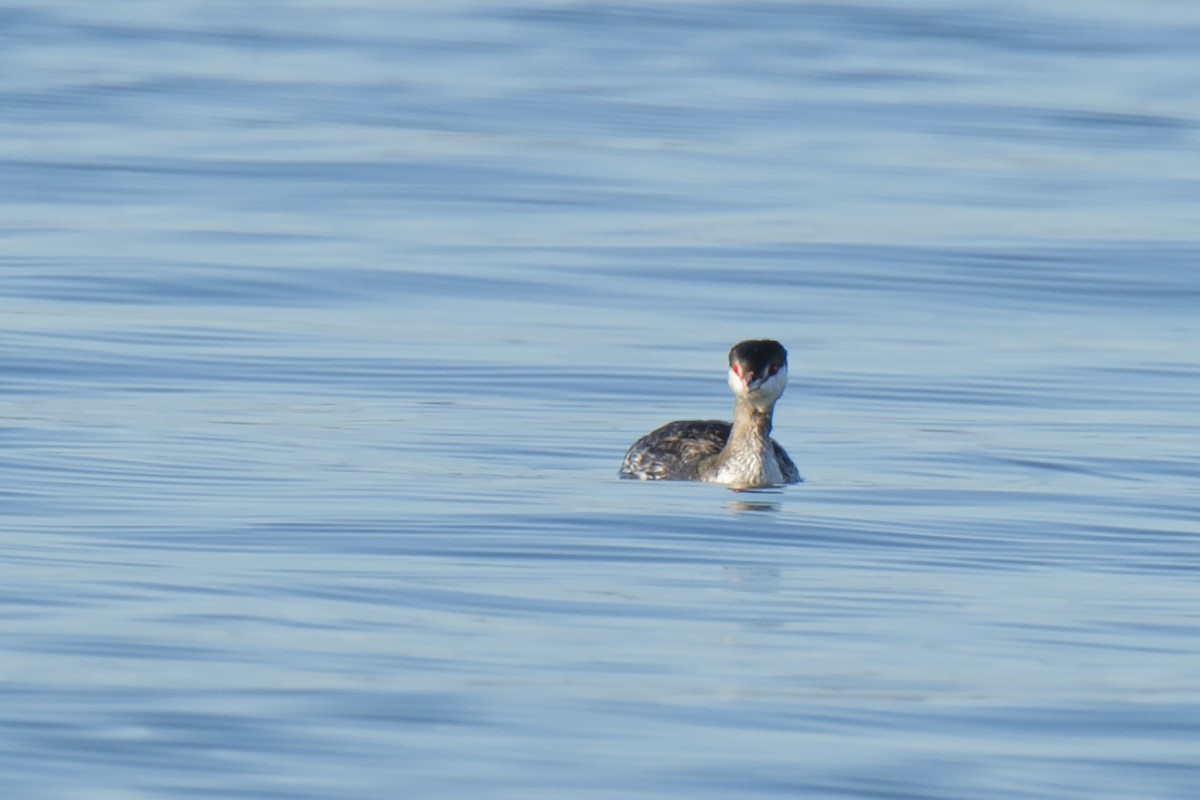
x,y
326,329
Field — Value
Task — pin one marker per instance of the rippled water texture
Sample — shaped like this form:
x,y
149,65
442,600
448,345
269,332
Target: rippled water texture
x,y
326,327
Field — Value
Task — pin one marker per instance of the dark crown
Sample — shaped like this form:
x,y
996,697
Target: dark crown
x,y
758,353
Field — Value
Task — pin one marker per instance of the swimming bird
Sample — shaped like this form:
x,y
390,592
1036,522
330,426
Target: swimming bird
x,y
741,454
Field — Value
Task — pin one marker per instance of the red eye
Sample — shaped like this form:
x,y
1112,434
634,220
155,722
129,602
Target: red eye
x,y
737,370
771,370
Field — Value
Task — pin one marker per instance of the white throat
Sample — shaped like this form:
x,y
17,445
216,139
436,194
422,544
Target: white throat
x,y
763,395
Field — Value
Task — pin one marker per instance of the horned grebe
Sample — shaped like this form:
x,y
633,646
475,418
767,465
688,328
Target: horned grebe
x,y
742,454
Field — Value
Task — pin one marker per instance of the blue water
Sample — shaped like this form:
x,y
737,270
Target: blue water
x,y
326,327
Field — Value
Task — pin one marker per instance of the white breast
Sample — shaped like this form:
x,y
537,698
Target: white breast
x,y
750,467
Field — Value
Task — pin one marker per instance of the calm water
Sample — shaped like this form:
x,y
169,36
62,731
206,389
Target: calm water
x,y
326,327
